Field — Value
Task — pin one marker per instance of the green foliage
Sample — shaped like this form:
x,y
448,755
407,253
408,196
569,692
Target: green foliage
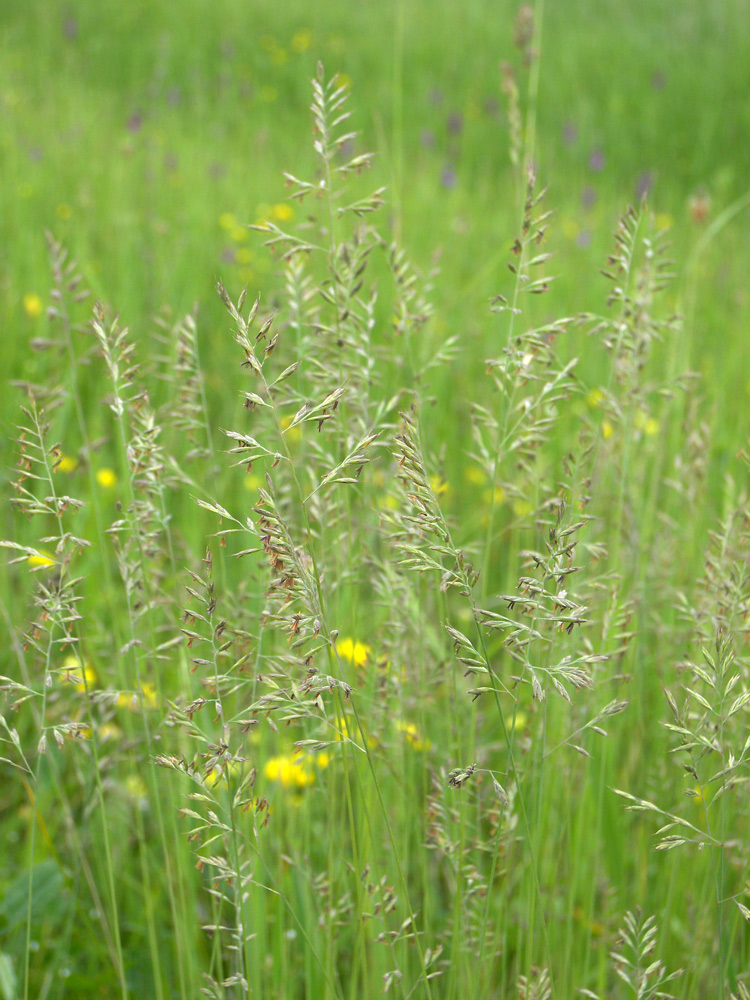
x,y
339,604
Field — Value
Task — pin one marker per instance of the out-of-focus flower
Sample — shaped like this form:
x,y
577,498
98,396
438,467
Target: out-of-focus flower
x,y
517,722
643,184
231,770
252,482
66,463
291,772
347,728
413,735
496,496
301,41
521,507
33,305
440,486
106,478
594,926
474,475
699,206
597,161
448,178
131,701
647,424
607,430
588,196
290,433
354,651
41,559
455,123
136,788
108,731
570,133
282,211
82,675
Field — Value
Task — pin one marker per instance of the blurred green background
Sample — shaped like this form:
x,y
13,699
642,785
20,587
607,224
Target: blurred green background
x,y
146,135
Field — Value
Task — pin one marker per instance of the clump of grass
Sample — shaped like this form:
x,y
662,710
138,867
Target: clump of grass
x,y
374,715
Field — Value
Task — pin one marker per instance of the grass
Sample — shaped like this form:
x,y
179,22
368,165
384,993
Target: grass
x,y
382,628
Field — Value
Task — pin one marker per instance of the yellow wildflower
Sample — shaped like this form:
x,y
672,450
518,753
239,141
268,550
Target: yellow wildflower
x,y
66,463
413,735
593,925
232,769
291,433
244,256
64,212
498,494
239,233
343,80
82,675
521,507
594,398
474,475
41,559
130,700
253,482
663,220
517,724
106,478
344,727
647,424
607,430
135,787
439,485
301,41
33,305
283,212
290,772
227,221
354,651
109,731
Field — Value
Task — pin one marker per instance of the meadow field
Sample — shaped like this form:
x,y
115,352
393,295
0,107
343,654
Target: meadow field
x,y
376,533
